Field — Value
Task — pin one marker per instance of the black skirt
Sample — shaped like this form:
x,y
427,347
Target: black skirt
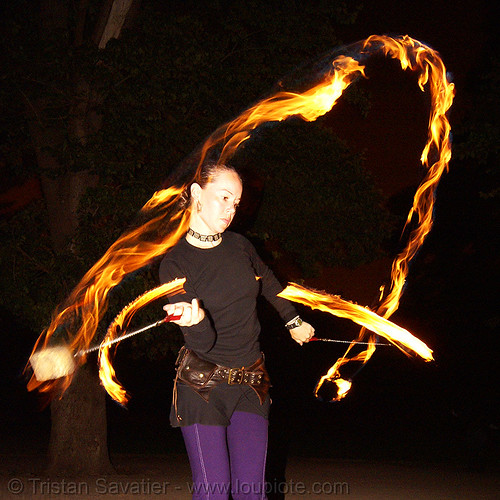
x,y
190,408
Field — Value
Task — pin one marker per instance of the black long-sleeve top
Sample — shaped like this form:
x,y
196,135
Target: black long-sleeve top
x,y
227,280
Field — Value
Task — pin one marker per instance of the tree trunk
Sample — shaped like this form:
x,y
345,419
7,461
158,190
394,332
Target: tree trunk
x,y
62,197
114,17
78,439
62,192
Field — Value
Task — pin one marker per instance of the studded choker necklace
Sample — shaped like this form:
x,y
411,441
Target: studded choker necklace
x,y
203,237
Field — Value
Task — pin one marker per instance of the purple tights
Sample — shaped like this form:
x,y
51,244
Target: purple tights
x,y
228,459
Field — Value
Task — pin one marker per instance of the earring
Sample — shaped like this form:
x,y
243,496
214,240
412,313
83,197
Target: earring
x,y
198,206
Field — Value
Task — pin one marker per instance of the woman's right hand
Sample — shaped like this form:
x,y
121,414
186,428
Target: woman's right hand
x,y
302,333
190,313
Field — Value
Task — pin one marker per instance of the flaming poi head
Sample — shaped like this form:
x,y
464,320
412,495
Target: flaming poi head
x,y
168,217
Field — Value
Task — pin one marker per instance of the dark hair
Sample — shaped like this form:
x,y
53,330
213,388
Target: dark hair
x,y
205,176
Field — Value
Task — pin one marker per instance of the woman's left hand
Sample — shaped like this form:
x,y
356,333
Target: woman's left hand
x,y
302,333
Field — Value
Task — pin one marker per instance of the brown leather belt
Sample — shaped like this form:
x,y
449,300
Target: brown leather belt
x,y
203,376
253,375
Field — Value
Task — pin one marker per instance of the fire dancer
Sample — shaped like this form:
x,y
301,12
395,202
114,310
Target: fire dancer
x,y
221,401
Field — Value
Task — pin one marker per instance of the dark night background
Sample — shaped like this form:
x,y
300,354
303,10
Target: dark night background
x,y
398,408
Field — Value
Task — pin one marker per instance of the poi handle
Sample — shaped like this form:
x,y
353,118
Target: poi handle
x,y
171,317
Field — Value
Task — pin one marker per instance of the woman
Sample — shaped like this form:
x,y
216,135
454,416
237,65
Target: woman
x,y
220,397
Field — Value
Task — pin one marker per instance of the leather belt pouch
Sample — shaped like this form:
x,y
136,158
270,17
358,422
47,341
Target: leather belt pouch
x,y
193,370
202,375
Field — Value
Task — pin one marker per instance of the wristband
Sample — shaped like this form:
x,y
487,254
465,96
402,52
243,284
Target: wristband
x,y
296,322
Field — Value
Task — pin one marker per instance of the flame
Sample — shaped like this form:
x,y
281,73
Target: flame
x,y
363,316
88,302
106,371
432,71
417,57
309,105
81,314
343,387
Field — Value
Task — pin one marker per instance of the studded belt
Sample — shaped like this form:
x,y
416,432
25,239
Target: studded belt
x,y
202,375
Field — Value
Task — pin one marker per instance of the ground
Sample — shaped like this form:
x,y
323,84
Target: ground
x,y
168,476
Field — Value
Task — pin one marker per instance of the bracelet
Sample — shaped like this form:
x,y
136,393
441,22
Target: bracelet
x,y
294,323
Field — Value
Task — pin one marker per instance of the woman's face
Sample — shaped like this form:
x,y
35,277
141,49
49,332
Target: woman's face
x,y
218,201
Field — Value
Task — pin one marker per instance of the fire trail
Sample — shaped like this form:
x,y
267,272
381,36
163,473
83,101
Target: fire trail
x,y
167,222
